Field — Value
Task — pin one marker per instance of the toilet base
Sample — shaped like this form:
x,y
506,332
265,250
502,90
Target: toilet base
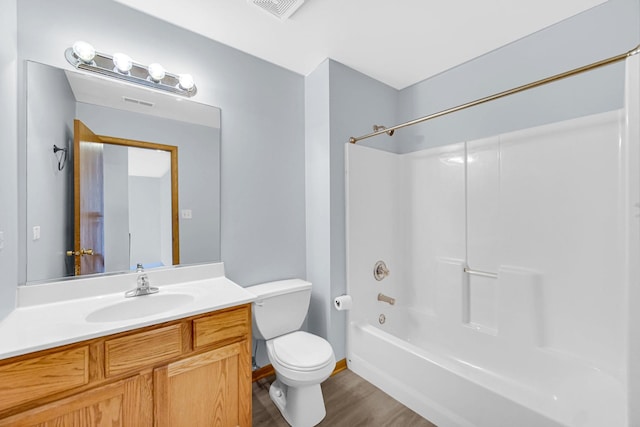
x,y
300,406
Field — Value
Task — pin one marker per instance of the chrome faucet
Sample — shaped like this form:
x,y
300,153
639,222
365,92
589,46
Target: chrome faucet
x,y
143,287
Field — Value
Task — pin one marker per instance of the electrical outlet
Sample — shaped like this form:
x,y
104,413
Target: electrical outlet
x,y
1,240
186,214
36,232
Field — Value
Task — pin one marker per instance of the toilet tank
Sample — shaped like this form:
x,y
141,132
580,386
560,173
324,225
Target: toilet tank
x,y
280,307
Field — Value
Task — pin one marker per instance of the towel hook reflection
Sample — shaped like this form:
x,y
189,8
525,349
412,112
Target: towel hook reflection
x,y
62,159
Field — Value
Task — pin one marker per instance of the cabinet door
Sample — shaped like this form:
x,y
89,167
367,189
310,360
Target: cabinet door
x,y
124,403
209,389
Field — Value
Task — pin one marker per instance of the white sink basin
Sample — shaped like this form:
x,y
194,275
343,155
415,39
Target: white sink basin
x,y
137,307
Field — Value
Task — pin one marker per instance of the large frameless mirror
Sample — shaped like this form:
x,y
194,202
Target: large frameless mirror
x,y
117,175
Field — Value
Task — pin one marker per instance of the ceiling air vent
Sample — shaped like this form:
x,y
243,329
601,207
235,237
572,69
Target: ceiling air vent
x,y
281,9
137,101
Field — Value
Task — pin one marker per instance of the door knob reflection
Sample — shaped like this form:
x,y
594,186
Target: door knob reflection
x,y
80,252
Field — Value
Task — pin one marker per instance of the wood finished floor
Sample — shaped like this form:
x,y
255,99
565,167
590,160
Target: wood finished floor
x,y
350,401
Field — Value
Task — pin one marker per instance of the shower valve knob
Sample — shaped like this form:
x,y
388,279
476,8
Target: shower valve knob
x,y
380,270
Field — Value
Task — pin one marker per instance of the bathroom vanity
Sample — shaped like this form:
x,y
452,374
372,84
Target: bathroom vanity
x,y
185,365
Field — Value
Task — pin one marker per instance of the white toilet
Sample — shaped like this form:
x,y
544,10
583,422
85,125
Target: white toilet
x,y
301,360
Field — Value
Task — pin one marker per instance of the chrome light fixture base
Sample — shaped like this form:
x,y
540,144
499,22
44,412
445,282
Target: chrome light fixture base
x,y
139,74
281,9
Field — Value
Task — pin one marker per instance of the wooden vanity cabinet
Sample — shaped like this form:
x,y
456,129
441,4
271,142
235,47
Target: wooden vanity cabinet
x,y
115,404
190,372
214,377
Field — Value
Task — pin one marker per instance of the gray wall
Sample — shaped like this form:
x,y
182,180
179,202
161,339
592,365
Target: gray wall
x,y
166,223
604,31
318,195
338,100
8,160
115,171
145,220
263,224
50,197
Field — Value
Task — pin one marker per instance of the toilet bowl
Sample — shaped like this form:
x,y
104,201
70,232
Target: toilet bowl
x,y
301,360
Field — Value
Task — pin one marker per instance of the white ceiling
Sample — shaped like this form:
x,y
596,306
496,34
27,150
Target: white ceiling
x,y
148,163
397,42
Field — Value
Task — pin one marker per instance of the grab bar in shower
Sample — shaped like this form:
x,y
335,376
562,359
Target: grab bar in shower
x,y
480,273
382,297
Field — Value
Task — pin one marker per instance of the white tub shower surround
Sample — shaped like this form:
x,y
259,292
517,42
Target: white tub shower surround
x,y
553,211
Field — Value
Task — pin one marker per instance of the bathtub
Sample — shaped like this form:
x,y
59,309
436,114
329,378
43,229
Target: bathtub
x,y
485,384
543,340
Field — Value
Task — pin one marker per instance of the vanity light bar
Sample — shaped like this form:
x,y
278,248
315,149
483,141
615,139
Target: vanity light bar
x,y
120,66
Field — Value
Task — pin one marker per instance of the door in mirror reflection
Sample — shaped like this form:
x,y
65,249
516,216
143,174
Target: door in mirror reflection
x,y
88,201
125,203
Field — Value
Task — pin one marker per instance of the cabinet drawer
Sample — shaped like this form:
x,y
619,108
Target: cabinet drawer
x,y
30,379
142,350
221,326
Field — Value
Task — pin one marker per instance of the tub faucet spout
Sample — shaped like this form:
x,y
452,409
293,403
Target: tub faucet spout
x,y
384,298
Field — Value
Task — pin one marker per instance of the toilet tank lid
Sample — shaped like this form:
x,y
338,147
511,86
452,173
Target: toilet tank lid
x,y
272,289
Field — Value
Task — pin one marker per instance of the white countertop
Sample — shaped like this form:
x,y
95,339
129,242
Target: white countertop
x,y
40,323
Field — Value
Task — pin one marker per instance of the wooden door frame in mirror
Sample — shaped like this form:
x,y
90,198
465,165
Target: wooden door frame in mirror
x,y
173,150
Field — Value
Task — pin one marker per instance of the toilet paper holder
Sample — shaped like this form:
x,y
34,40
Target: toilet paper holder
x,y
343,303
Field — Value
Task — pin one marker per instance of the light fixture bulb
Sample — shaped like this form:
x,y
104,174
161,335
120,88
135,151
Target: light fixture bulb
x,y
186,82
122,62
84,51
156,72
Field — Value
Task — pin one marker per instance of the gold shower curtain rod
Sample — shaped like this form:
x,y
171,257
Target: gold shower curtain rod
x,y
499,95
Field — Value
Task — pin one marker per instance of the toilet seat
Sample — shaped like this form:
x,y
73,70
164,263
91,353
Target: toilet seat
x,y
301,351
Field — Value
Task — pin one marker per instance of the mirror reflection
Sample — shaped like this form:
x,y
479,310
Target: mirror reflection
x,y
125,203
150,194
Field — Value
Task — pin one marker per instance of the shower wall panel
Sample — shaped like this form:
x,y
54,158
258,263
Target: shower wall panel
x,y
541,208
483,230
562,218
374,199
434,201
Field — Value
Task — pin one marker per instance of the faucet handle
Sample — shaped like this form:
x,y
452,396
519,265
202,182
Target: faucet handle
x,y
143,281
144,285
